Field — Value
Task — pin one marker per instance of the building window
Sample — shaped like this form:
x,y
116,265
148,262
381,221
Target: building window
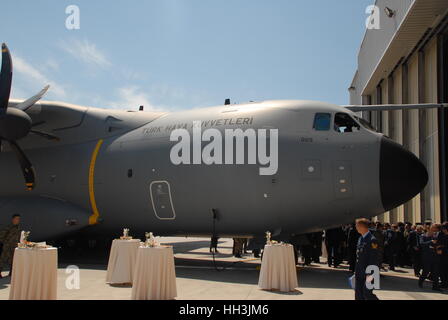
x,y
322,122
344,123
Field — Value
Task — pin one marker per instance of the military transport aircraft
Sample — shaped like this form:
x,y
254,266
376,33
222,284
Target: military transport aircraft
x,y
310,166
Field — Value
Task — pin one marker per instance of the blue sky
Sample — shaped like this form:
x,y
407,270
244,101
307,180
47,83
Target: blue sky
x,y
182,54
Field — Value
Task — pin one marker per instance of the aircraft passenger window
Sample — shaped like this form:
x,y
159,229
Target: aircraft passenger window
x,y
344,123
322,121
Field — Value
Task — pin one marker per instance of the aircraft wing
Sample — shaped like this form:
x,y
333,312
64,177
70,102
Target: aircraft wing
x,y
70,123
395,107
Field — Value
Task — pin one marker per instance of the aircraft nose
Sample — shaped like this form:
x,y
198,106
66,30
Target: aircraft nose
x,y
402,174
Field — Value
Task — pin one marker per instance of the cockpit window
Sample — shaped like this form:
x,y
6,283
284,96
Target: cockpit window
x,y
322,121
343,123
365,123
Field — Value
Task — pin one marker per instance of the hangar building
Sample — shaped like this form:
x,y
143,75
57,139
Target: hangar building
x,y
403,59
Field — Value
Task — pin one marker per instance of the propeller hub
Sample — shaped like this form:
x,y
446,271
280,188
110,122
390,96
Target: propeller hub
x,y
14,124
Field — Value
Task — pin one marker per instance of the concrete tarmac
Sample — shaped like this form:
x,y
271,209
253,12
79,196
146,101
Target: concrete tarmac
x,y
197,279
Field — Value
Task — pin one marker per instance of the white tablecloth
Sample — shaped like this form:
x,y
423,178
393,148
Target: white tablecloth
x,y
278,269
154,274
34,274
123,254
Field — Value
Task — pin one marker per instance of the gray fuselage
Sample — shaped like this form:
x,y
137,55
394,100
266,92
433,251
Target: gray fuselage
x,y
126,178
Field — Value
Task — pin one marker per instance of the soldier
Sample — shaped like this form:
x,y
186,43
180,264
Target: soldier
x,y
366,255
238,247
9,238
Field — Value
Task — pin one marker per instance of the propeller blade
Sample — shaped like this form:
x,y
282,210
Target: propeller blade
x,y
25,164
45,135
5,78
25,105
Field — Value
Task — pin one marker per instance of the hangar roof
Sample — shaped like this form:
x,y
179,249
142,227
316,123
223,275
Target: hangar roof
x,y
383,48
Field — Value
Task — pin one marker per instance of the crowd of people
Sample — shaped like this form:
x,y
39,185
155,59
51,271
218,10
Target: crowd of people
x,y
422,247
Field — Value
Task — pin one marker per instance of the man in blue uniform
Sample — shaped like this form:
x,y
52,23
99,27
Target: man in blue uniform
x,y
366,255
430,257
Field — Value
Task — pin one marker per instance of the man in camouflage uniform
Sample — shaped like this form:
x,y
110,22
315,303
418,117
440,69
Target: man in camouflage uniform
x,y
238,244
9,237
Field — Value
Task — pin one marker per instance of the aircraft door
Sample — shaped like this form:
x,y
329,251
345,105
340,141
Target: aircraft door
x,y
343,179
161,200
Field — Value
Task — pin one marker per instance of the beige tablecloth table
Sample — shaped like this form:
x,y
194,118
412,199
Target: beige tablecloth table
x,y
154,274
278,269
34,274
123,254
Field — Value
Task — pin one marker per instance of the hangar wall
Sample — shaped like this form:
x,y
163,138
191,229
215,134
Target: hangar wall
x,y
412,71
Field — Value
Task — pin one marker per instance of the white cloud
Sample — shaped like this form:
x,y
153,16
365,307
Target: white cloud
x,y
86,52
36,78
155,97
173,99
131,75
131,97
51,65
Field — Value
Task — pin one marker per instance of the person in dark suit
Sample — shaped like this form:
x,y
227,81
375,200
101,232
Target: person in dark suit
x,y
352,243
334,239
317,246
303,244
393,239
366,255
401,244
386,230
406,249
414,239
307,250
378,232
